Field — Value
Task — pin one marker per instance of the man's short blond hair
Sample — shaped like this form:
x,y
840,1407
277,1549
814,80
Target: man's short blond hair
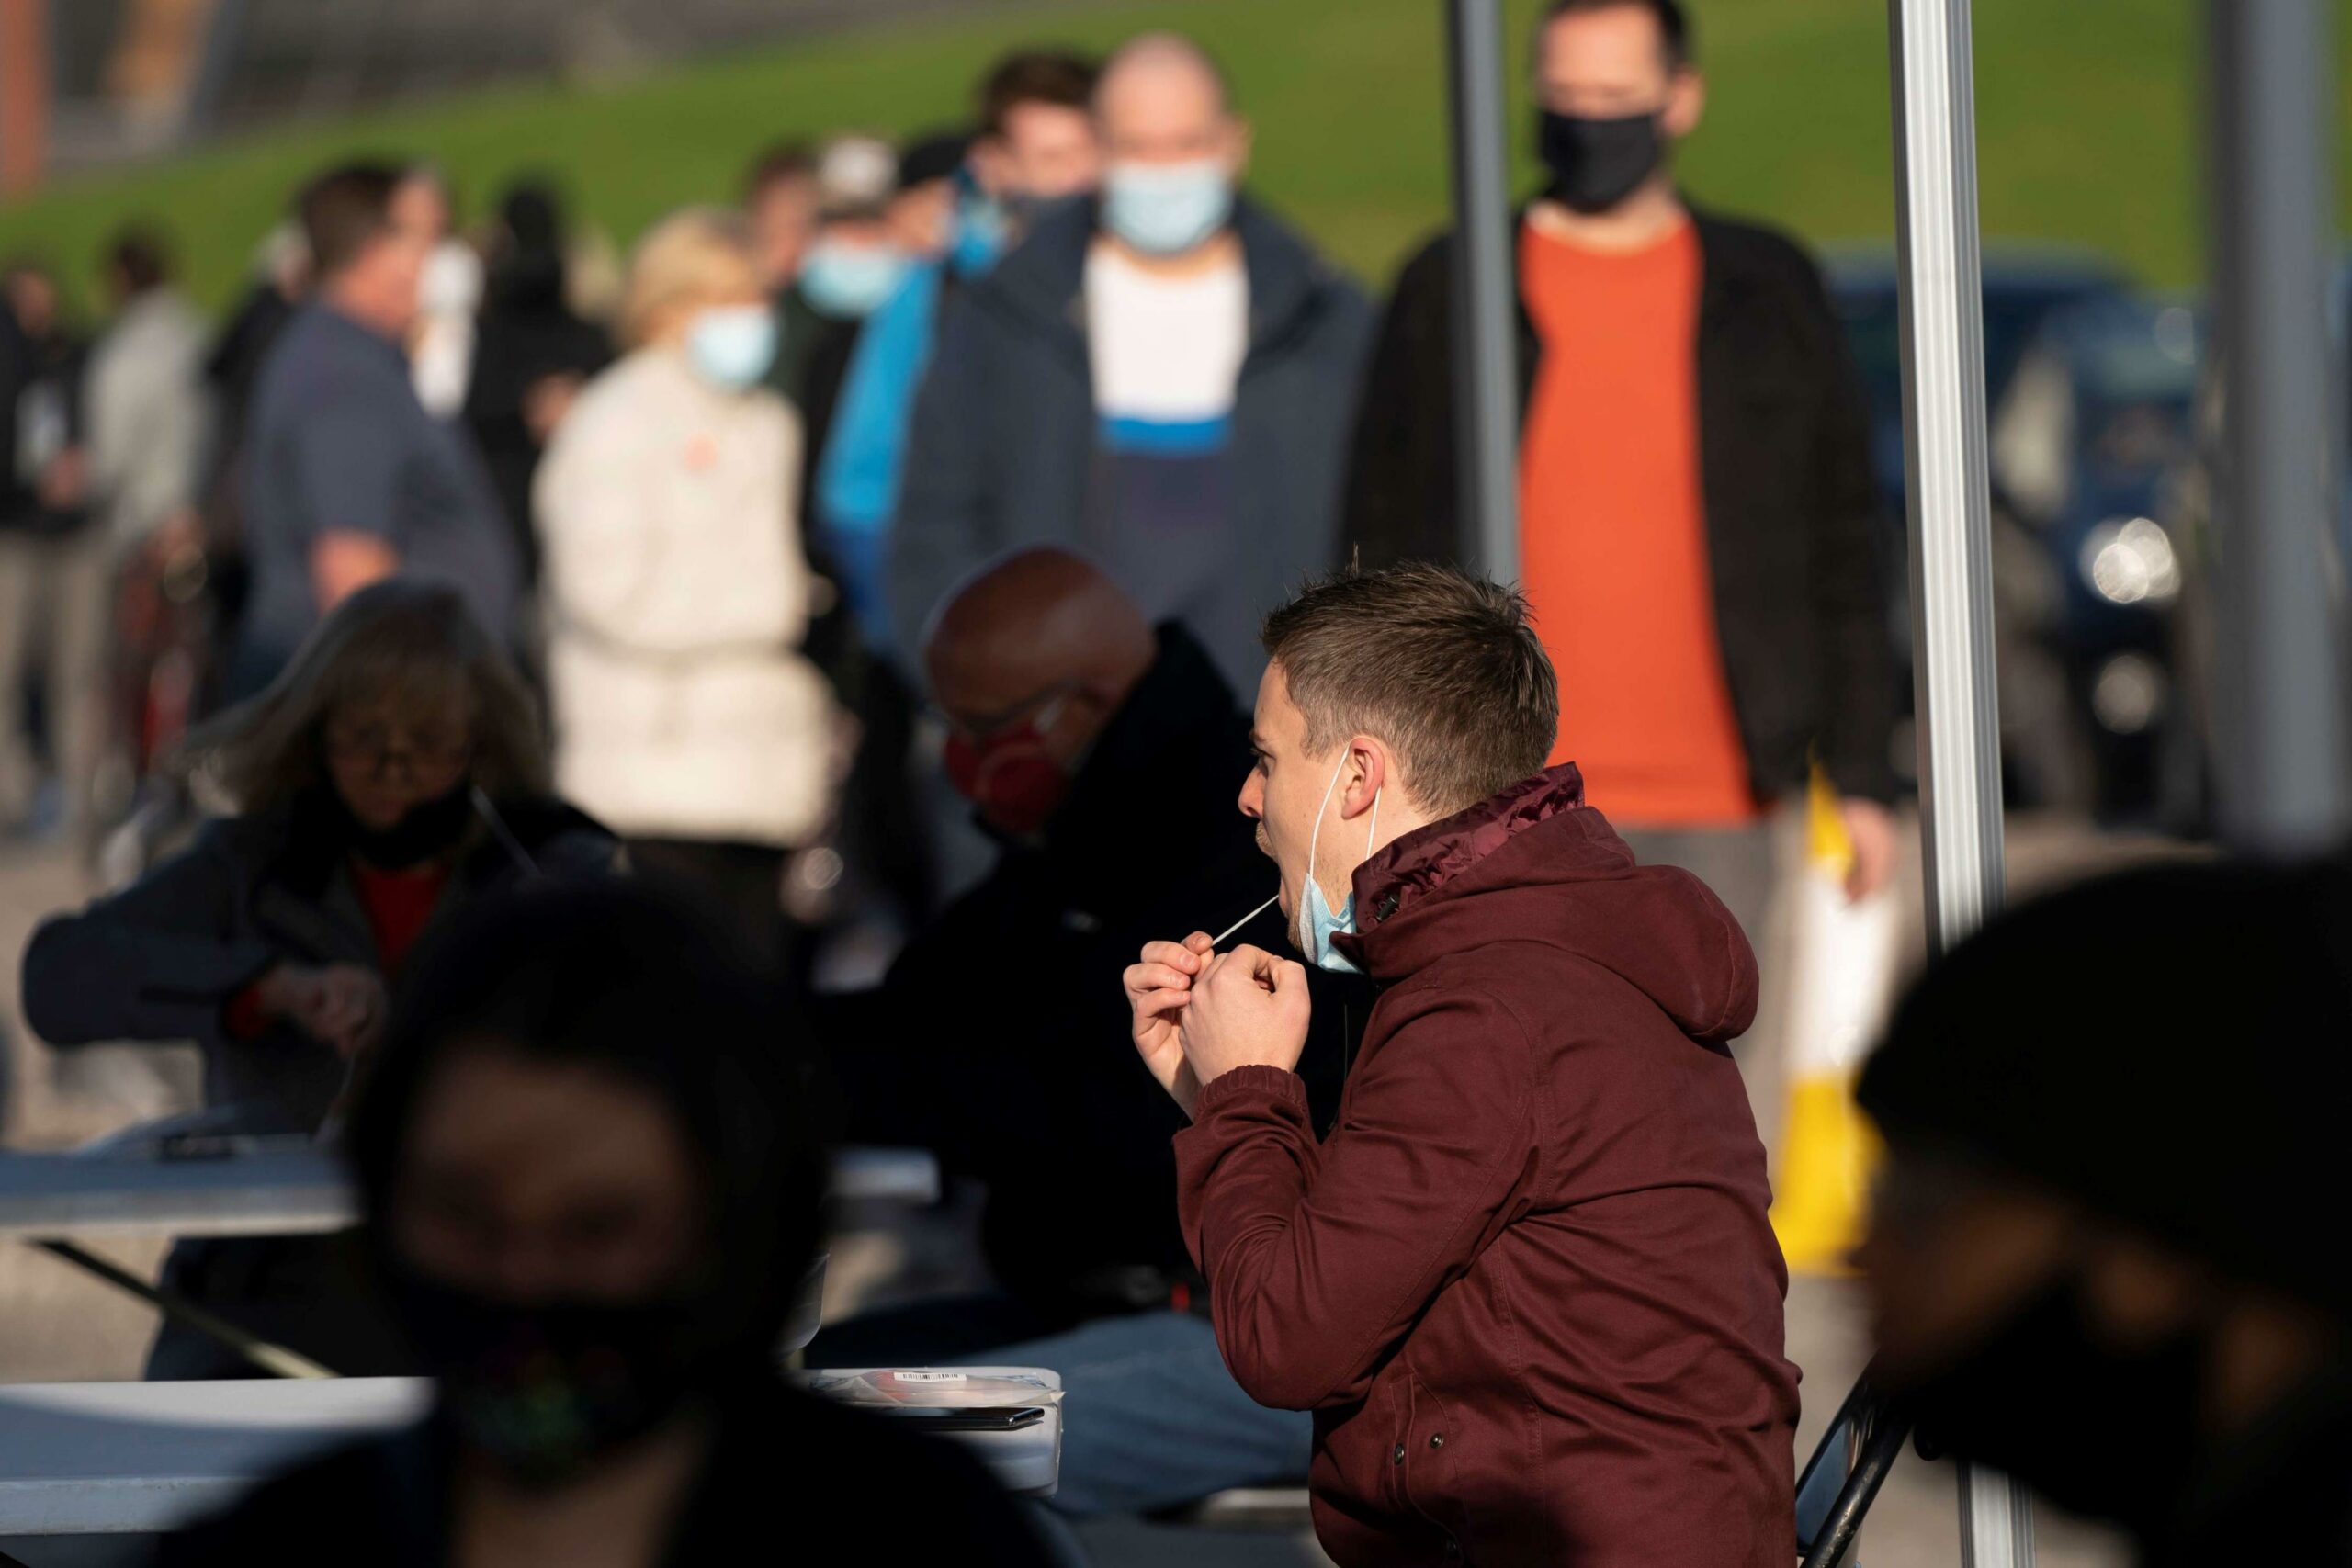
x,y
700,252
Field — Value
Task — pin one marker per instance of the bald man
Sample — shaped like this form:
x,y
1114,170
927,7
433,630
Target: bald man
x,y
1100,752
1162,378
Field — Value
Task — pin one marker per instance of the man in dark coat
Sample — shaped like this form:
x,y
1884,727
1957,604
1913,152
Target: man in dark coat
x,y
1101,754
1159,377
1525,1283
1699,526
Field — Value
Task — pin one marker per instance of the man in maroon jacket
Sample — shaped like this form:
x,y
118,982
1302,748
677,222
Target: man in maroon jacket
x,y
1525,1281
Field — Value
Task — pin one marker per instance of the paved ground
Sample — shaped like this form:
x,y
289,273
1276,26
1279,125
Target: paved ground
x,y
61,1325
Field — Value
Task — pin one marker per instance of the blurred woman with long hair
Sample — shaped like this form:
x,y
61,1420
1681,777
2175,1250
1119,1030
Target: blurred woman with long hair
x,y
393,773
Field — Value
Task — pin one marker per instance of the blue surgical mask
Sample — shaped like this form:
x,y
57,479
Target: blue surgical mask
x,y
731,346
1316,922
982,229
1165,209
850,282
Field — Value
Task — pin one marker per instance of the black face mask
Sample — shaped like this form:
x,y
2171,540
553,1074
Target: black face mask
x,y
1596,163
430,828
2098,1430
545,1392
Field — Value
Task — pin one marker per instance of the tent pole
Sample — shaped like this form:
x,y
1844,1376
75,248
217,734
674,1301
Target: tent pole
x,y
2278,719
1945,456
1485,406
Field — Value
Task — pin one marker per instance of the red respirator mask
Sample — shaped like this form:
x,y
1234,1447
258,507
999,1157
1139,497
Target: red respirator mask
x,y
1009,775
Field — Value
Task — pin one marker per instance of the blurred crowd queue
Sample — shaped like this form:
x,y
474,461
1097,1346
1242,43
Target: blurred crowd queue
x,y
974,481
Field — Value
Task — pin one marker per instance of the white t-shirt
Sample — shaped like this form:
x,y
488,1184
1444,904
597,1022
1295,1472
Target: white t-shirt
x,y
1166,353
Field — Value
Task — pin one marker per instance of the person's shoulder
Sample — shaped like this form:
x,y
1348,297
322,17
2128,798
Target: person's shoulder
x,y
341,1497
1740,245
868,1451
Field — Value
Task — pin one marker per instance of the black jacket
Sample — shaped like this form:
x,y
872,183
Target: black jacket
x,y
1792,512
161,960
1000,1036
790,1479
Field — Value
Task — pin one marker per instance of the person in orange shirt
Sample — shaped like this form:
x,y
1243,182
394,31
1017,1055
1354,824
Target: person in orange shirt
x,y
1697,529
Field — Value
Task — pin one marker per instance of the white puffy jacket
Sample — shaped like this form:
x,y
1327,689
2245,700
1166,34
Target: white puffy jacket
x,y
677,594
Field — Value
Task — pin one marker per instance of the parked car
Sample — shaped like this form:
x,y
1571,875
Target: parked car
x,y
2090,440
2024,286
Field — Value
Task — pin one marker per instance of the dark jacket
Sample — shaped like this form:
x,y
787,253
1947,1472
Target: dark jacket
x,y
1000,1037
52,370
1526,1285
1003,450
790,1479
1792,527
525,334
162,959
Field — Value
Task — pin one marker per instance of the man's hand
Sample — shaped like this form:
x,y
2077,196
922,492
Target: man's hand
x,y
340,1005
1248,1008
1157,988
1870,828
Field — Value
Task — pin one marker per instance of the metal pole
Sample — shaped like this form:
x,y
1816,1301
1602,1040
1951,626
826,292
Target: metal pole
x,y
2279,722
1485,406
1944,450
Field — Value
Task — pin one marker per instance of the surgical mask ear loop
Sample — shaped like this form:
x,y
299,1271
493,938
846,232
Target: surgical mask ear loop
x,y
1306,932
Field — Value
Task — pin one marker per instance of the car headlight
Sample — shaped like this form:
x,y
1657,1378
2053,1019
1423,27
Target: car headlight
x,y
2130,560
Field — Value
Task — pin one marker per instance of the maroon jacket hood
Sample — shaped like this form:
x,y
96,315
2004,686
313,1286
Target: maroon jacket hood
x,y
1535,863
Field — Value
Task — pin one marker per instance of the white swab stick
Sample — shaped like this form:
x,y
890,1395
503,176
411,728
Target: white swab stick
x,y
1244,920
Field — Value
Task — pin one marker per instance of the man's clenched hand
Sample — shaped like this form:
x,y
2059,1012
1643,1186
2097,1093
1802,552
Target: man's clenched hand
x,y
1247,1009
1157,988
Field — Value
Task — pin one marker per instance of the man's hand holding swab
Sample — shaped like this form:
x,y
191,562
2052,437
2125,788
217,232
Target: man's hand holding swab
x,y
1158,987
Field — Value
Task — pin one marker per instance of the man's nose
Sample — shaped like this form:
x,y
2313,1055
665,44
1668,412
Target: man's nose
x,y
1253,796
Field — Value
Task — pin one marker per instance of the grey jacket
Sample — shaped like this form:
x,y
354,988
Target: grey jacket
x,y
1004,451
161,960
148,416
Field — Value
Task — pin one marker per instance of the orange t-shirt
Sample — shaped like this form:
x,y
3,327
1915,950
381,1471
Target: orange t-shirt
x,y
1612,532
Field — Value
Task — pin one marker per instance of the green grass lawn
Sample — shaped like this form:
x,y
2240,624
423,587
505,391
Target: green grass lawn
x,y
2087,121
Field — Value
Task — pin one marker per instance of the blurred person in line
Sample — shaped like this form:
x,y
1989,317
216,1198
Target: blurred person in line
x,y
1698,519
2111,1117
449,293
780,198
853,262
1525,1281
393,774
149,414
532,354
347,477
280,281
1072,720
1036,146
593,1176
150,421
676,593
1159,377
53,559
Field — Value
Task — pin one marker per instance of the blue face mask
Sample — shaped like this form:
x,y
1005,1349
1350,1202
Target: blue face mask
x,y
731,346
850,282
1165,209
982,228
1316,924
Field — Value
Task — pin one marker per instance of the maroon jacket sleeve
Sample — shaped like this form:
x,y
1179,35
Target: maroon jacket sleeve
x,y
1319,1258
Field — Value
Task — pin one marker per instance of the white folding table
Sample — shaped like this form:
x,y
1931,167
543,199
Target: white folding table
x,y
141,1457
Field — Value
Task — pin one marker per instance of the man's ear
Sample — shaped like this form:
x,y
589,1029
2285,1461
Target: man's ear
x,y
1238,140
1686,102
1373,769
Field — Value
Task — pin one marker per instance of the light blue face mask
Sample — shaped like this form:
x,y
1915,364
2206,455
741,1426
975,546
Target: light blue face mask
x,y
982,230
731,346
850,282
1317,924
1165,209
